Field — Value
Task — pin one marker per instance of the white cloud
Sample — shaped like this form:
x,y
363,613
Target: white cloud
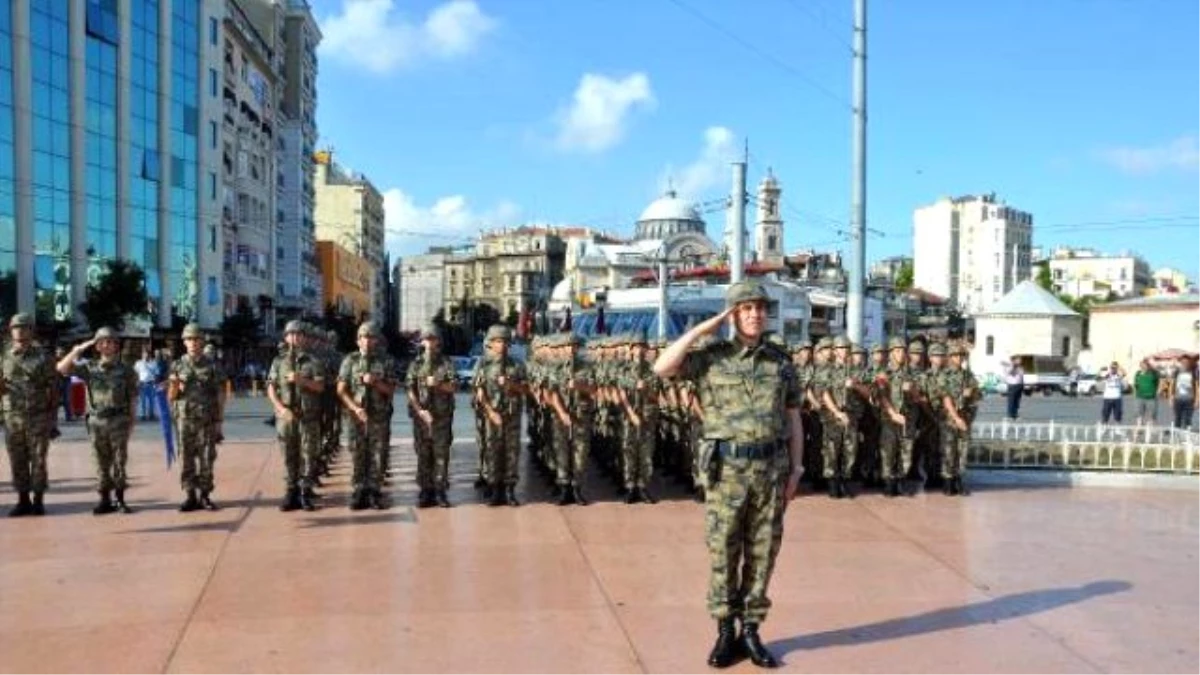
x,y
600,110
369,34
412,228
1182,153
709,170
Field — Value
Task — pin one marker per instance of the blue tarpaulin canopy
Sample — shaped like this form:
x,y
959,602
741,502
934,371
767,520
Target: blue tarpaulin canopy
x,y
636,321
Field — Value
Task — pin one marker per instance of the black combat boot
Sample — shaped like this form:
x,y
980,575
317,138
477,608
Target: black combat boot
x,y
38,507
359,501
480,483
424,499
644,494
206,502
726,649
379,501
835,488
960,488
291,501
441,499
948,487
105,505
22,507
758,653
566,495
306,500
191,503
510,496
698,495
577,495
497,496
631,496
889,488
121,505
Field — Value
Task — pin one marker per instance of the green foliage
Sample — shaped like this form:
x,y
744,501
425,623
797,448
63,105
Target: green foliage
x,y
119,292
904,277
241,329
1043,277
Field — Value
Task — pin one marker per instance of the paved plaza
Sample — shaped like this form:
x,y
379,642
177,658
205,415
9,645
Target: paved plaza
x,y
1012,579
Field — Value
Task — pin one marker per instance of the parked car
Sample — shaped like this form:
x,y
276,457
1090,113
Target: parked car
x,y
1045,374
1088,385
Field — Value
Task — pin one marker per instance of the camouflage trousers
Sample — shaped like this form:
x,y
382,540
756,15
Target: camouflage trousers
x,y
300,443
110,451
27,446
366,443
197,454
955,445
571,448
638,451
743,517
481,442
331,427
503,451
839,446
895,451
433,452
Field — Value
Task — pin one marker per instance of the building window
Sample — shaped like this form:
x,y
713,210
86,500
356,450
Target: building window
x,y
214,30
212,82
212,134
1066,345
212,185
214,295
772,243
212,238
991,345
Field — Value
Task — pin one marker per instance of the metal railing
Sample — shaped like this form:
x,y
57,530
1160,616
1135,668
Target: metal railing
x,y
1088,447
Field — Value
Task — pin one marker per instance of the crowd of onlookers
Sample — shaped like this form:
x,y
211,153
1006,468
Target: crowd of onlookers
x,y
1174,384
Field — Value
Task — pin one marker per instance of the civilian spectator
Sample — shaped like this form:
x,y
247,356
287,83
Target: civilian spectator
x,y
1183,395
1145,389
1014,381
147,372
1114,394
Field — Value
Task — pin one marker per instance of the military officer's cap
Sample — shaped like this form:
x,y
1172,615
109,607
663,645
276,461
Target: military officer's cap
x,y
841,342
106,333
937,349
192,330
916,347
499,332
745,291
878,348
293,326
21,319
897,343
368,329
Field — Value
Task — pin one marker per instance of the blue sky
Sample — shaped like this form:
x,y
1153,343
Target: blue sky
x,y
489,112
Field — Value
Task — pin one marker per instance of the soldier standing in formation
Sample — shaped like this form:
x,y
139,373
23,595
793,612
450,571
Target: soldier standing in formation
x,y
30,396
431,387
639,396
295,386
499,385
753,461
112,389
897,392
956,389
196,387
366,385
574,404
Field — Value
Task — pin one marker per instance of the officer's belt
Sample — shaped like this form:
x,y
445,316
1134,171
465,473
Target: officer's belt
x,y
731,450
105,413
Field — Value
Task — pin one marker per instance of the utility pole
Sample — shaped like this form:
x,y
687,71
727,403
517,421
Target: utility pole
x,y
737,221
662,297
858,191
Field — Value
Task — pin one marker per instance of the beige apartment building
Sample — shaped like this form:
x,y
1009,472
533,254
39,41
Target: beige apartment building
x,y
512,270
1081,272
348,210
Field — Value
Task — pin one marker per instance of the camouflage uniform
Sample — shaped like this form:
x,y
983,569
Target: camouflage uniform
x,y
111,391
300,436
840,441
745,394
432,441
575,392
641,395
199,387
503,450
367,440
896,390
959,385
30,398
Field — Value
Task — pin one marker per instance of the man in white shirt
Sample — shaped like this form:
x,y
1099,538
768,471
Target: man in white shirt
x,y
1014,383
1114,394
147,374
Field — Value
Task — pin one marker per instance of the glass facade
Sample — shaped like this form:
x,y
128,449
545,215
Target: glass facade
x,y
51,142
8,242
185,123
100,94
145,161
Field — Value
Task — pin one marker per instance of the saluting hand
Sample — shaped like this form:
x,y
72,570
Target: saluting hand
x,y
712,325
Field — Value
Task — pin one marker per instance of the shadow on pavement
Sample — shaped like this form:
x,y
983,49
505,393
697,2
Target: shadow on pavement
x,y
230,526
992,611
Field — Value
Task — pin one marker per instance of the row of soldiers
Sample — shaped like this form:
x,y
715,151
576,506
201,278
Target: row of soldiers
x,y
902,414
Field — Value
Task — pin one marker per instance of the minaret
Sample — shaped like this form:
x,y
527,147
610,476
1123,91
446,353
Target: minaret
x,y
768,229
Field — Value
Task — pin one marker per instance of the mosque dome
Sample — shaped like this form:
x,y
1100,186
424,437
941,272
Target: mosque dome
x,y
668,216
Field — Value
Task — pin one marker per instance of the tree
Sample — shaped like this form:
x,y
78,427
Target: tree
x,y
119,292
241,329
904,277
1043,277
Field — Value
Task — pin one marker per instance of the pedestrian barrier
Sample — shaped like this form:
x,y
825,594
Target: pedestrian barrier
x,y
1085,447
